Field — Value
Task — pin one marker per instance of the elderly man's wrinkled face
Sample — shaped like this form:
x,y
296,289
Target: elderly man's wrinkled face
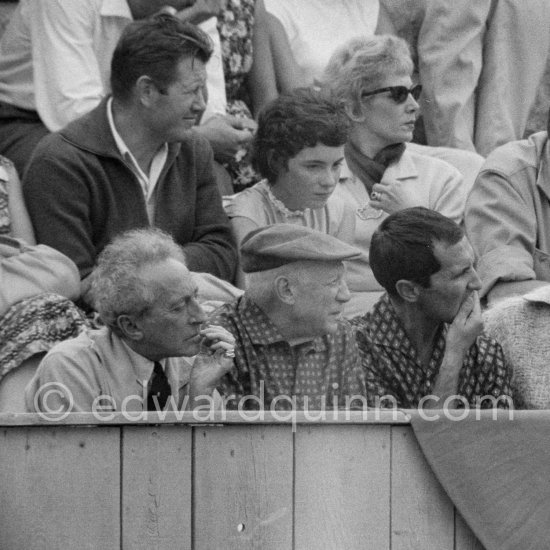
x,y
321,294
171,326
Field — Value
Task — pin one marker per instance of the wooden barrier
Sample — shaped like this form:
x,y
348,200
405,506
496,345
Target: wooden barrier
x,y
344,483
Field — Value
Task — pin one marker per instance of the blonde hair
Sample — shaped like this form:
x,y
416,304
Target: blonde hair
x,y
362,63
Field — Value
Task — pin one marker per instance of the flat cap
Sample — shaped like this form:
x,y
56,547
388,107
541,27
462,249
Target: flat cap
x,y
279,244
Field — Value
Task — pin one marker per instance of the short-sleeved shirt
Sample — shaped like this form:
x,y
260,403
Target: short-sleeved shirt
x,y
285,376
259,205
392,366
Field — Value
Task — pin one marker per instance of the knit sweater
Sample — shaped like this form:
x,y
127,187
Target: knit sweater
x,y
80,194
521,324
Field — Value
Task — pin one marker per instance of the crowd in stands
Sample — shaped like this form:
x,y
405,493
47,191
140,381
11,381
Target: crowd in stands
x,y
220,201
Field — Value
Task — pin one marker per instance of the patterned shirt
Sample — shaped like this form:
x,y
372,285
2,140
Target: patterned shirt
x,y
315,375
393,368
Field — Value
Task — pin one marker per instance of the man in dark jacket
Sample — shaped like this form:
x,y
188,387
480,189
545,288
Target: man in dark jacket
x,y
132,162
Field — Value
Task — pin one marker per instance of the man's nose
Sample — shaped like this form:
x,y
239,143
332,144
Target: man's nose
x,y
196,312
343,295
199,103
475,281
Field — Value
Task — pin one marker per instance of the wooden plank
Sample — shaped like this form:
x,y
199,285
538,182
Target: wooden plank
x,y
464,538
59,488
156,487
216,417
422,514
243,487
342,487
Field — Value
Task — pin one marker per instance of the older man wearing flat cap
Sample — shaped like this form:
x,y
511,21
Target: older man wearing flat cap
x,y
293,349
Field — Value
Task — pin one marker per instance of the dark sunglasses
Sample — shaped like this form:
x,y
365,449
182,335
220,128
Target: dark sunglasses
x,y
398,93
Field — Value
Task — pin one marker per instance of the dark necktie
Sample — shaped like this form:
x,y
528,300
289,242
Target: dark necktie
x,y
159,388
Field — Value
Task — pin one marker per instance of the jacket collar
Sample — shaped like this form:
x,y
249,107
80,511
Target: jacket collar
x,y
404,168
92,133
542,145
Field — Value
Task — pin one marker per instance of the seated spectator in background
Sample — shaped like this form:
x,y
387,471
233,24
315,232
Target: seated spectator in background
x,y
481,64
132,162
302,38
148,301
298,149
293,41
508,218
14,217
372,78
422,343
36,283
54,67
235,27
521,325
292,348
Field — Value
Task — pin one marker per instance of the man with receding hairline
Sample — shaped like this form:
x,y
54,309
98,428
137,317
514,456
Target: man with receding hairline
x,y
422,342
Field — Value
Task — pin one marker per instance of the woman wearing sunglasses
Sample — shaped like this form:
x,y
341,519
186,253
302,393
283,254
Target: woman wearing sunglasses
x,y
372,78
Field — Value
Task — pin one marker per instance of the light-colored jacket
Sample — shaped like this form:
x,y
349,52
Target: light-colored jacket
x,y
508,213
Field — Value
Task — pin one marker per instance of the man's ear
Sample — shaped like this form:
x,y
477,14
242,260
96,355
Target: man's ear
x,y
146,90
129,328
408,291
284,290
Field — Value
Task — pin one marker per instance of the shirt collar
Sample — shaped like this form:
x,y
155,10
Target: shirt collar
x,y
158,161
143,367
121,146
280,206
252,317
385,328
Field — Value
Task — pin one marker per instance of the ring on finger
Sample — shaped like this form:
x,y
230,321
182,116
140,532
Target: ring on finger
x,y
230,353
375,196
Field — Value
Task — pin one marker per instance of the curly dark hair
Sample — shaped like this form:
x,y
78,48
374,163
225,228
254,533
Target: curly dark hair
x,y
302,118
154,47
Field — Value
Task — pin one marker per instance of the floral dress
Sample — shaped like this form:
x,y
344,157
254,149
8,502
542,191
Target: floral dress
x,y
36,324
5,222
235,25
